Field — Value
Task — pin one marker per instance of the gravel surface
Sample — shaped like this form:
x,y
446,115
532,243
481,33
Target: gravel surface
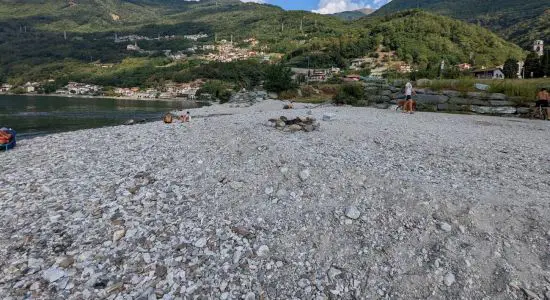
x,y
374,205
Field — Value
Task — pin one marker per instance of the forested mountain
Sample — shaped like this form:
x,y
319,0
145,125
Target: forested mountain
x,y
101,15
354,14
43,39
520,21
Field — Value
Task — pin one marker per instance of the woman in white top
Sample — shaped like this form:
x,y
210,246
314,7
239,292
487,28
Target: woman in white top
x,y
409,104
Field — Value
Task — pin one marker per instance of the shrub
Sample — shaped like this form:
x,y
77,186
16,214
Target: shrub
x,y
351,94
216,88
18,90
307,91
288,94
335,80
224,96
329,89
278,78
365,72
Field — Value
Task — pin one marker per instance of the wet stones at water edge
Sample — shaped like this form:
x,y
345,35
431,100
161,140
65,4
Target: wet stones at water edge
x,y
307,124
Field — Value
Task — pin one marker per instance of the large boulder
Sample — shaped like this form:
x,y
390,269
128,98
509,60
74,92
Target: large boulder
x,y
378,98
249,97
386,93
523,110
451,107
477,95
502,110
497,96
371,90
501,103
468,101
426,107
431,99
451,93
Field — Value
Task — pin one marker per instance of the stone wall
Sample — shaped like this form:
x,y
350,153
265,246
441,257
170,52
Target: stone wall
x,y
378,93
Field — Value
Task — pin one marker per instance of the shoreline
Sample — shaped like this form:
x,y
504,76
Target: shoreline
x,y
103,97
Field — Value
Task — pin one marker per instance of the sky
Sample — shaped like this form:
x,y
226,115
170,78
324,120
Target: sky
x,y
324,6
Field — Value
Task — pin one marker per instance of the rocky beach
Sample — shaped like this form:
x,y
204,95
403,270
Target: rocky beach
x,y
373,204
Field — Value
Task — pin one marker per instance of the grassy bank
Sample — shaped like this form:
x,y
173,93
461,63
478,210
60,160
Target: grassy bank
x,y
525,89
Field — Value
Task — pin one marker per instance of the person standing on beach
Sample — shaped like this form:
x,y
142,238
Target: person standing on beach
x,y
409,103
543,99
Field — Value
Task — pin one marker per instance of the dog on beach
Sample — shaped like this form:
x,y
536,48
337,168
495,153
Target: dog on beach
x,y
401,105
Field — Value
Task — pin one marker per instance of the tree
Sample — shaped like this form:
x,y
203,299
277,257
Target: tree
x,y
278,78
545,62
532,66
511,68
365,72
351,94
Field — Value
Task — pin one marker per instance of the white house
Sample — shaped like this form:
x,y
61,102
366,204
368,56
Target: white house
x,y
494,73
133,47
76,88
5,87
30,87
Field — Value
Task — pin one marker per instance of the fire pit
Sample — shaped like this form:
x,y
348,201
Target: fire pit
x,y
306,124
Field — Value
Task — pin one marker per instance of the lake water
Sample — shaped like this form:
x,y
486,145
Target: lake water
x,y
36,115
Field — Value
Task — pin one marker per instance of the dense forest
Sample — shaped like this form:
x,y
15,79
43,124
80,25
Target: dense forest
x,y
518,21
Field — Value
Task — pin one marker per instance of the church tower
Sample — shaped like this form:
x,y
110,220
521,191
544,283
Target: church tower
x,y
538,47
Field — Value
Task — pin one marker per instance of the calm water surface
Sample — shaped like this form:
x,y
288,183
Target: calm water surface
x,y
37,115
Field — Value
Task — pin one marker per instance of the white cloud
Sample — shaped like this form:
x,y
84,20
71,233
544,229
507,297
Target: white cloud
x,y
335,6
255,1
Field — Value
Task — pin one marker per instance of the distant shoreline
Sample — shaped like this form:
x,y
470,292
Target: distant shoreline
x,y
100,97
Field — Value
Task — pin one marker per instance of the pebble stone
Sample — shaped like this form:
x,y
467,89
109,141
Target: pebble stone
x,y
353,213
445,227
202,230
449,279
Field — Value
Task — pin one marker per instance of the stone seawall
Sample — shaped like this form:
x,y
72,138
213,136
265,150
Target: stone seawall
x,y
380,94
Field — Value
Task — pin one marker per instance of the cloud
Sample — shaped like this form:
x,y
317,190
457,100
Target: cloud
x,y
335,6
255,1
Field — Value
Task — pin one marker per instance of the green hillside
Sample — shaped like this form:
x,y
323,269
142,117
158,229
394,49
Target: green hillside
x,y
98,15
519,21
33,46
354,14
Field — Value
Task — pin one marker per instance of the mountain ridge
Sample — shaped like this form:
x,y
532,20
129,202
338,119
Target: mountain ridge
x,y
521,22
352,15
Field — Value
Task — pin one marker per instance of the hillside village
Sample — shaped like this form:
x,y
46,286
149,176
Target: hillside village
x,y
375,65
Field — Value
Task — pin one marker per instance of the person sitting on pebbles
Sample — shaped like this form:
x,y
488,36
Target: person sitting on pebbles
x,y
167,118
185,118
